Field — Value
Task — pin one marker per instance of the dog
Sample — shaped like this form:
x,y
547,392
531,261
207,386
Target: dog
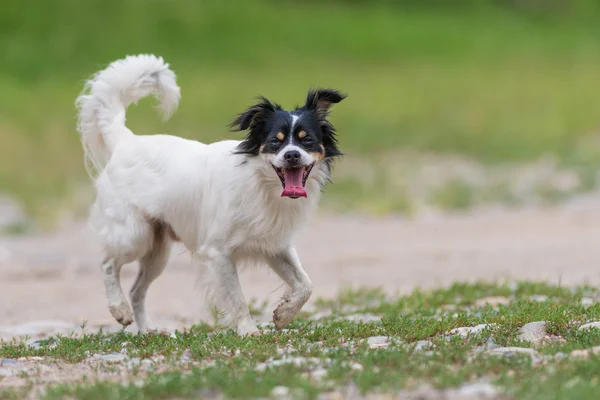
x,y
230,202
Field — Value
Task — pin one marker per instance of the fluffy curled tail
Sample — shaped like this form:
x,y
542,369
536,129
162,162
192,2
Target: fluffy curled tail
x,y
106,96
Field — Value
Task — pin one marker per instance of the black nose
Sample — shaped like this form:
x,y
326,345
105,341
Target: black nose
x,y
292,156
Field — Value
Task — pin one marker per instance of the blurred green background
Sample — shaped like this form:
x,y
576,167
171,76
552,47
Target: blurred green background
x,y
486,85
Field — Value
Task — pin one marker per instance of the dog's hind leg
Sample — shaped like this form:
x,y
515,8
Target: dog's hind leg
x,y
117,303
126,235
287,265
224,292
151,266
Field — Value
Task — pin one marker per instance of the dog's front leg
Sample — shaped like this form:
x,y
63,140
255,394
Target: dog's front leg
x,y
225,292
287,265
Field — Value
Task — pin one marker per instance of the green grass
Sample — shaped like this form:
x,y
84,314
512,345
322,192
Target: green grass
x,y
492,83
238,367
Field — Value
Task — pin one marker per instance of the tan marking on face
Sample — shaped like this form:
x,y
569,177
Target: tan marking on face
x,y
317,155
301,134
262,147
280,136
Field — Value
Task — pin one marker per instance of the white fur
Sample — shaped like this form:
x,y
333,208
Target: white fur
x,y
224,207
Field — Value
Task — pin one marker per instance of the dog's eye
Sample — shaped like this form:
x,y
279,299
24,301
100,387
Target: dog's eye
x,y
275,142
307,139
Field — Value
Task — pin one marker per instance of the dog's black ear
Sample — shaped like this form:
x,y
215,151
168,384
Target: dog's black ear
x,y
253,115
254,119
322,99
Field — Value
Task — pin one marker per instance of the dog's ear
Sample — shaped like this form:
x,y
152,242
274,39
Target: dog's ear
x,y
321,100
254,119
253,115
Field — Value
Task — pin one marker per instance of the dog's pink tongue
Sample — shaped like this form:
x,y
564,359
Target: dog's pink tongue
x,y
293,183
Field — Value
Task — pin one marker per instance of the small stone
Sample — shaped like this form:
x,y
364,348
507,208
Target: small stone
x,y
378,342
9,361
560,356
511,351
471,330
364,318
493,301
533,332
587,301
186,356
584,354
356,367
280,391
319,373
111,358
491,345
478,391
423,345
591,325
540,298
7,372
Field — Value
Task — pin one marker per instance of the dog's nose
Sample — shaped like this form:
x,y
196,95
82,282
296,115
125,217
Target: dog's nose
x,y
292,156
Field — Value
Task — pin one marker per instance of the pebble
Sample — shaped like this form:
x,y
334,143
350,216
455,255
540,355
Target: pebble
x,y
378,342
112,357
533,332
9,361
584,354
478,390
471,330
540,298
356,367
319,374
280,391
423,345
493,301
297,361
587,301
510,351
591,325
364,318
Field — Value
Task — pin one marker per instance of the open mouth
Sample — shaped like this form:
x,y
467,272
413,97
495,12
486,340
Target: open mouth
x,y
293,180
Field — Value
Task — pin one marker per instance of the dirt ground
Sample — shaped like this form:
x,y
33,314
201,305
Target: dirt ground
x,y
52,283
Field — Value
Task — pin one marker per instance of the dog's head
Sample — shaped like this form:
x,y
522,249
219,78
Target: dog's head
x,y
291,142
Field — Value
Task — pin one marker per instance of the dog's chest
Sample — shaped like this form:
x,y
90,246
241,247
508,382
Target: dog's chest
x,y
270,230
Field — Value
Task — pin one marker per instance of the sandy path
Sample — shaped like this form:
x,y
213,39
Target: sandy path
x,y
56,278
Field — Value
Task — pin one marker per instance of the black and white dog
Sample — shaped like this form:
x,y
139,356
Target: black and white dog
x,y
229,202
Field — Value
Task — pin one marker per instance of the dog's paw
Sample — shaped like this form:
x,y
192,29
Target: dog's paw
x,y
284,314
122,313
247,328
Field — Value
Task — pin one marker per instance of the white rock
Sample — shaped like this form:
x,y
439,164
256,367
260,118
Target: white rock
x,y
478,390
587,301
356,367
533,332
423,345
378,342
585,353
319,373
364,318
280,391
591,325
112,357
538,297
471,330
507,351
